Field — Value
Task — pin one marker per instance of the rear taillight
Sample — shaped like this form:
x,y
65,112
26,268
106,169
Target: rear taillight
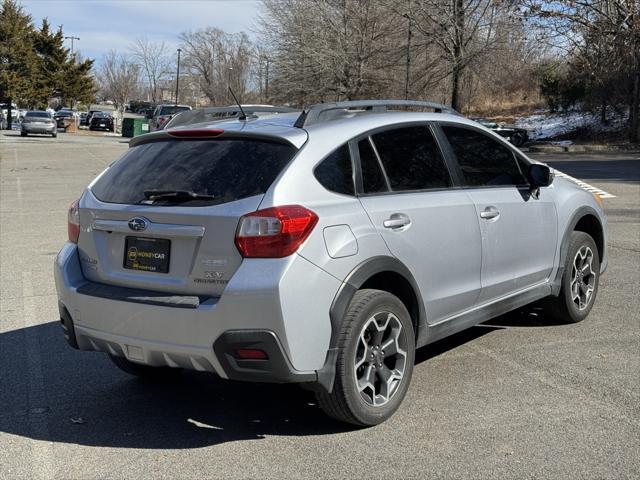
x,y
73,222
274,232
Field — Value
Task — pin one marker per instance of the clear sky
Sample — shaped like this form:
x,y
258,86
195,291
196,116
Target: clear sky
x,y
103,25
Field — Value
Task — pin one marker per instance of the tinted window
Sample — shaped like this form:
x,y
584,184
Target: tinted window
x,y
411,159
38,114
335,173
227,169
483,160
372,176
170,110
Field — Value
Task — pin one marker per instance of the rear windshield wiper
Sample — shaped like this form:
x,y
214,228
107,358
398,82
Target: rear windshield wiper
x,y
179,195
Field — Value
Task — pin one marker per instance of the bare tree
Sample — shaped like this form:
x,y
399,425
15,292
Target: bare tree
x,y
219,60
603,39
331,49
153,61
119,78
461,30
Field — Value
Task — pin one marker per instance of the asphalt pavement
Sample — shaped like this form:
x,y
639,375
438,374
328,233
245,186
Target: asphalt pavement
x,y
518,397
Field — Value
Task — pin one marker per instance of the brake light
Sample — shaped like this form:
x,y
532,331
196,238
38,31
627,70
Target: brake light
x,y
274,232
196,133
73,222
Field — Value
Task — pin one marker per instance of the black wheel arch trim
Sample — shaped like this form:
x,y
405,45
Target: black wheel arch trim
x,y
277,368
564,246
354,280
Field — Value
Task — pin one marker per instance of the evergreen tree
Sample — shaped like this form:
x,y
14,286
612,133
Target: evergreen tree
x,y
18,61
35,66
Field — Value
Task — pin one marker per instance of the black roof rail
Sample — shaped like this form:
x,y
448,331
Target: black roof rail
x,y
314,113
205,114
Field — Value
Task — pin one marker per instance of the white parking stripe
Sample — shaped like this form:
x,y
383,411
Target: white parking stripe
x,y
584,185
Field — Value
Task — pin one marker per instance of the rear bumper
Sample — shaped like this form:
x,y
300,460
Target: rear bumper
x,y
265,304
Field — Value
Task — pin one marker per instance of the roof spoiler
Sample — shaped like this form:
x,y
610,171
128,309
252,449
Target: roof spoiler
x,y
326,111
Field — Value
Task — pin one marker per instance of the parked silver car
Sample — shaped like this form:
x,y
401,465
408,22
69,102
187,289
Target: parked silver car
x,y
320,248
38,121
163,113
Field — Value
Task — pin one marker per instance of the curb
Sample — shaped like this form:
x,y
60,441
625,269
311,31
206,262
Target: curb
x,y
582,148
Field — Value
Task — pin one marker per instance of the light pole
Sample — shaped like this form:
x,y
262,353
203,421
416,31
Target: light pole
x,y
406,79
266,81
178,76
72,38
230,69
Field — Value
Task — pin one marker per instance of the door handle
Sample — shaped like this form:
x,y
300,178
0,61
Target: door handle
x,y
397,220
489,213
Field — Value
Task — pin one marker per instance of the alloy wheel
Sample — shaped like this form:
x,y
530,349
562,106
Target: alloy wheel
x,y
583,278
380,359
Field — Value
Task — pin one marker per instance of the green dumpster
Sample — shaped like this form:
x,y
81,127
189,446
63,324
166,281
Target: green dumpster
x,y
132,127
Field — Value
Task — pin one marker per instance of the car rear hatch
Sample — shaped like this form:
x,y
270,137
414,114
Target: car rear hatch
x,y
164,216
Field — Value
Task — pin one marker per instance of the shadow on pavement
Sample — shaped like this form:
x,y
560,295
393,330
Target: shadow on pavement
x,y
606,170
51,392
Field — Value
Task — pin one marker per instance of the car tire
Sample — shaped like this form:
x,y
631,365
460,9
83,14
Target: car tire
x,y
368,390
518,139
144,371
54,134
579,283
23,134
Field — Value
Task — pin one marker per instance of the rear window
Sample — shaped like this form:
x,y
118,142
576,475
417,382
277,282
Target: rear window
x,y
227,169
170,110
38,114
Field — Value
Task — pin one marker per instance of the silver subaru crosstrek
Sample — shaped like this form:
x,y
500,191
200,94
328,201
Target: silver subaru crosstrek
x,y
320,247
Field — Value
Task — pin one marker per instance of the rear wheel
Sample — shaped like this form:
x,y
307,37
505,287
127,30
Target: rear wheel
x,y
518,139
23,134
376,352
579,281
144,371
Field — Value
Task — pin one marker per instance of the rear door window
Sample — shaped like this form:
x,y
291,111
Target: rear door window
x,y
373,180
411,159
228,169
335,172
483,160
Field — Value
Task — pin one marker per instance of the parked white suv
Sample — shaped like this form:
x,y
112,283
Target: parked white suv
x,y
320,248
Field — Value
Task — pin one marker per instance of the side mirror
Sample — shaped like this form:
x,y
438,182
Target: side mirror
x,y
540,176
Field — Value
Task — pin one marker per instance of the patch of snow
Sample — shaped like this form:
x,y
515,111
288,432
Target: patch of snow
x,y
544,125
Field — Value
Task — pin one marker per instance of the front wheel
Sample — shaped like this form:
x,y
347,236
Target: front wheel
x,y
518,139
376,353
579,281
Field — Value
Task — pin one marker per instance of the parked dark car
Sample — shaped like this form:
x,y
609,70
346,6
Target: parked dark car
x,y
89,115
517,136
101,121
60,117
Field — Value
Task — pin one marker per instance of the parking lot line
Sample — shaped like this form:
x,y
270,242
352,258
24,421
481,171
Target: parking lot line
x,y
584,185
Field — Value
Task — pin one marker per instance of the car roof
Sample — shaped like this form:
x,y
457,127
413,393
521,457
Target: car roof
x,y
340,130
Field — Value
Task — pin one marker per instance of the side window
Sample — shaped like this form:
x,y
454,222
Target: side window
x,y
483,161
411,159
335,172
372,176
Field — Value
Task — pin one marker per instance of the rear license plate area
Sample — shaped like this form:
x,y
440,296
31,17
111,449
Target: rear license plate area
x,y
147,254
